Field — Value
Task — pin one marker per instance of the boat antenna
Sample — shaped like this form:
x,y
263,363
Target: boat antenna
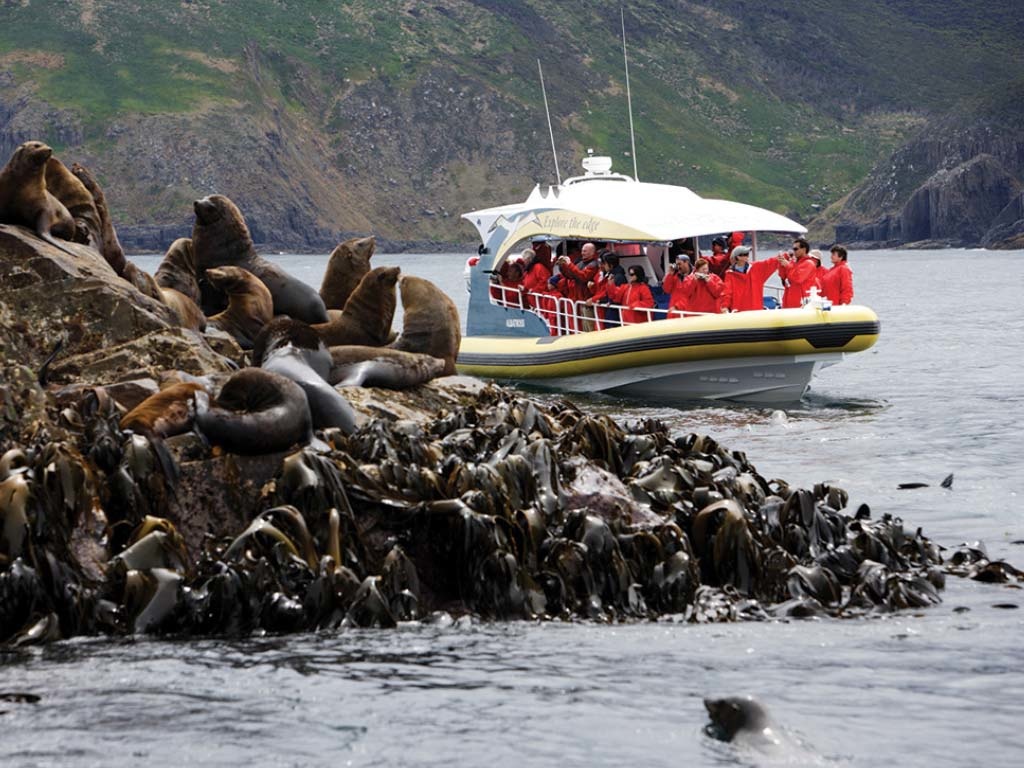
x,y
629,98
551,131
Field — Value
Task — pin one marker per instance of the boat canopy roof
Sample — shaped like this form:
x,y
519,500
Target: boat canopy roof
x,y
617,208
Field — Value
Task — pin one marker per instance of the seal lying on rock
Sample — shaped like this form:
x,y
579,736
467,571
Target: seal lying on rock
x,y
255,412
250,305
25,200
293,349
366,319
165,413
381,367
221,238
430,324
347,264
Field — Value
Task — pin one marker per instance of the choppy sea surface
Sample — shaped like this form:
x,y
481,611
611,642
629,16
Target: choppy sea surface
x,y
940,393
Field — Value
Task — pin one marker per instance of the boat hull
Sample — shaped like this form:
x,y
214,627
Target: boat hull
x,y
761,357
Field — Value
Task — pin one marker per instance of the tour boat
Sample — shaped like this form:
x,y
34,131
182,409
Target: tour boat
x,y
760,356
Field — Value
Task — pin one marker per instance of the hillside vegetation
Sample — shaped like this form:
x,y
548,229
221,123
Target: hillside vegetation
x,y
393,117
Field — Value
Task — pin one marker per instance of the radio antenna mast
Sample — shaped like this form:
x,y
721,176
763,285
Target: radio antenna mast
x,y
551,131
629,99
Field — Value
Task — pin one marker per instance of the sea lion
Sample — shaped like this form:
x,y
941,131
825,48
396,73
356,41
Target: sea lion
x,y
431,322
25,200
736,715
255,412
221,238
366,319
250,305
73,194
293,349
347,264
168,412
109,246
361,366
178,269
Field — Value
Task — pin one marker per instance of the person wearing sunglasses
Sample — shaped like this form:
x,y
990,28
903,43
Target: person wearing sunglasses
x,y
635,296
798,272
744,282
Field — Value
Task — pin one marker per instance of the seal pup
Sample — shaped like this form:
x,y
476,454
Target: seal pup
x,y
293,349
255,412
359,366
430,324
347,264
25,200
250,305
369,311
221,238
166,413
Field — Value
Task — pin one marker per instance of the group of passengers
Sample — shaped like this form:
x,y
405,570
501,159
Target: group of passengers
x,y
726,280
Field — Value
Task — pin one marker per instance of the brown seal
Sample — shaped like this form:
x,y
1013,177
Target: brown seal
x,y
345,268
178,269
255,412
250,305
73,194
109,246
366,319
430,323
25,200
221,238
165,413
381,367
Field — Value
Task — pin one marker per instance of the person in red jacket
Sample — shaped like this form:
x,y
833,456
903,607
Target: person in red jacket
x,y
505,284
635,296
701,290
673,284
611,274
744,282
837,284
535,289
718,261
798,272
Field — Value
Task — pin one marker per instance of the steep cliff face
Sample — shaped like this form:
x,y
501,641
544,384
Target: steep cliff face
x,y
952,184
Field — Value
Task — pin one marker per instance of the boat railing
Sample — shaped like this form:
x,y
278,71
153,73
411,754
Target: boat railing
x,y
564,316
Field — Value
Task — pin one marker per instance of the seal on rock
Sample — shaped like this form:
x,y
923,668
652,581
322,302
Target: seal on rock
x,y
430,324
73,194
347,264
178,269
255,412
366,319
250,305
221,238
293,349
381,367
109,246
165,413
25,200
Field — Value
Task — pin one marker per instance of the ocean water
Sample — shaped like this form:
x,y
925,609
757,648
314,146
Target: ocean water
x,y
940,393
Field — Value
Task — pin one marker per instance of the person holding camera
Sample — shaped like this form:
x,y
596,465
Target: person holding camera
x,y
673,285
798,272
701,290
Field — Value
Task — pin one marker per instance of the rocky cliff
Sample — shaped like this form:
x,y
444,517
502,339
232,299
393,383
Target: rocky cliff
x,y
952,184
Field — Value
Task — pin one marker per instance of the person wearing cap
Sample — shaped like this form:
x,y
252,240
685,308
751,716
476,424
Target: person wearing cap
x,y
837,282
718,261
744,282
798,272
673,285
820,272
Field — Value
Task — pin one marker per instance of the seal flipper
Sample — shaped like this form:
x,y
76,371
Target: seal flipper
x,y
43,231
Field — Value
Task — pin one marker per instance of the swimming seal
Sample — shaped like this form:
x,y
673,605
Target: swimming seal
x,y
369,311
221,238
735,715
25,200
293,349
250,305
255,412
381,367
430,324
347,264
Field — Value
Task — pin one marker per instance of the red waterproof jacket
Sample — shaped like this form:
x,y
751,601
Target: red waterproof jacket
x,y
800,276
575,277
837,284
718,263
702,295
635,296
744,291
535,279
673,285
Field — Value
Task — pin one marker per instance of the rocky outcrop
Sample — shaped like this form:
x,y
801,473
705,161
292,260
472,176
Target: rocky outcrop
x,y
952,185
